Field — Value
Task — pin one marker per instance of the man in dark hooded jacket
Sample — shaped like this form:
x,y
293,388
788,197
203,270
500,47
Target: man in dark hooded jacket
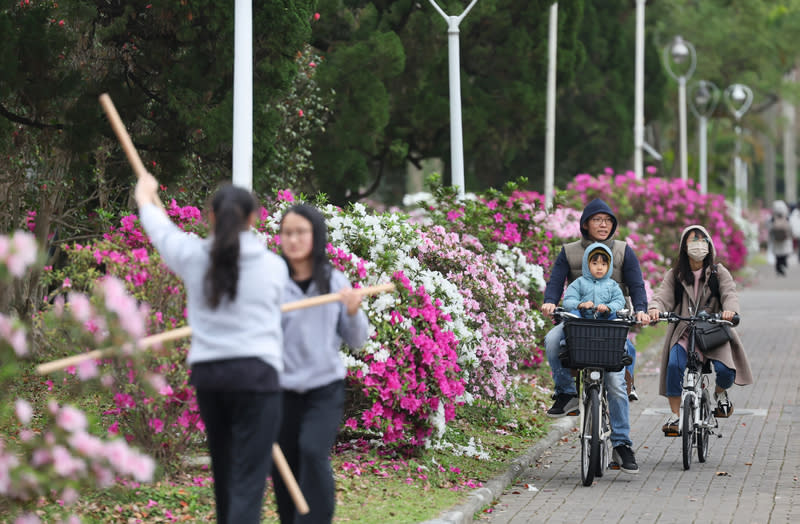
x,y
598,224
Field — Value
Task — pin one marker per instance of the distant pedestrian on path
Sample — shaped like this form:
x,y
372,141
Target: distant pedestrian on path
x,y
780,236
234,290
697,283
598,224
313,379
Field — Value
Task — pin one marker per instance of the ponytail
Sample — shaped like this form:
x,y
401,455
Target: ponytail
x,y
232,206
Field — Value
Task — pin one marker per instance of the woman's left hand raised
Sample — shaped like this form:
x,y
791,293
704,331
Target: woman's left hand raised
x,y
351,299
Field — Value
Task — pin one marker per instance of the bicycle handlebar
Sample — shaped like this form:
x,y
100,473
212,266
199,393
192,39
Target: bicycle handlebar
x,y
714,319
624,316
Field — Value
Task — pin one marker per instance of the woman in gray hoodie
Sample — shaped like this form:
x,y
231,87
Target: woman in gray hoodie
x,y
234,290
313,378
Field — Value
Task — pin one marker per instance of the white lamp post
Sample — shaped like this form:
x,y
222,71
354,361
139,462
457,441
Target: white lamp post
x,y
550,132
638,103
678,52
703,99
243,95
456,140
738,97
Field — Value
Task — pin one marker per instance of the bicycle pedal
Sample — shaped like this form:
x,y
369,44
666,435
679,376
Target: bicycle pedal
x,y
574,413
672,433
613,465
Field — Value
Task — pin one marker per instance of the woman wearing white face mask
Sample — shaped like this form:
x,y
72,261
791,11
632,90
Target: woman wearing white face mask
x,y
697,282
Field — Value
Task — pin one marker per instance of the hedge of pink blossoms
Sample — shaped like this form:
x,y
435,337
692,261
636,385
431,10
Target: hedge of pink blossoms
x,y
496,306
408,379
151,403
664,207
401,417
53,453
455,272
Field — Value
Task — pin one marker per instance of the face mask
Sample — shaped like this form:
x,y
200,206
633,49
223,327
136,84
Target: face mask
x,y
697,250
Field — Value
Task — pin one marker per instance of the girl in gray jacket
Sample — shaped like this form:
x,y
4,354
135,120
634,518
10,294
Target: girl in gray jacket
x,y
234,290
313,378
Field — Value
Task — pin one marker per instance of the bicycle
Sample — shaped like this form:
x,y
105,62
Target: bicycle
x,y
593,347
697,422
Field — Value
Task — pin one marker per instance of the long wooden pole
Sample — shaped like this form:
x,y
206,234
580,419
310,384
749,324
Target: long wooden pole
x,y
288,478
122,135
182,332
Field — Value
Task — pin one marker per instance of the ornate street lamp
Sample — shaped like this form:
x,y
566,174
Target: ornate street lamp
x,y
703,99
681,53
738,98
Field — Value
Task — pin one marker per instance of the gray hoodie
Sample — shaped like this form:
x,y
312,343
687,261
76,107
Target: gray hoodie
x,y
247,327
314,335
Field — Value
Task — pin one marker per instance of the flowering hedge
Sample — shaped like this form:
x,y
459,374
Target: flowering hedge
x,y
54,452
470,276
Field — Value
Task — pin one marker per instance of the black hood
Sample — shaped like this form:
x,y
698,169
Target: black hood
x,y
591,209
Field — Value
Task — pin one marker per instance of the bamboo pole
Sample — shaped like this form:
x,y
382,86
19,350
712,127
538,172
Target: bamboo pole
x,y
124,138
122,135
182,332
288,478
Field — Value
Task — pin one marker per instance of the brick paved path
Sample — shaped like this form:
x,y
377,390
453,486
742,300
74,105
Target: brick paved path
x,y
751,475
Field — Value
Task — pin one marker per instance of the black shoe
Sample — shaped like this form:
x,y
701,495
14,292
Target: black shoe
x,y
623,455
565,404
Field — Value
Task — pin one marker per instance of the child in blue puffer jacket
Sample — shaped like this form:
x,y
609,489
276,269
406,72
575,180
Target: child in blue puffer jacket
x,y
595,288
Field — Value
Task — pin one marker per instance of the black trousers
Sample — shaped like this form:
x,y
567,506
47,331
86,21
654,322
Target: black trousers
x,y
780,264
308,431
241,427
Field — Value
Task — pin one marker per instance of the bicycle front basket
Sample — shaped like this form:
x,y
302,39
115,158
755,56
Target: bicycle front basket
x,y
595,343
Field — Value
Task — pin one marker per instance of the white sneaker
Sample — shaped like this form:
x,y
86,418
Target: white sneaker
x,y
724,405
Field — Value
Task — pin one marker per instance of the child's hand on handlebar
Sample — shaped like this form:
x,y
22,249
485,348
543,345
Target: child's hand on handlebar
x,y
602,308
586,305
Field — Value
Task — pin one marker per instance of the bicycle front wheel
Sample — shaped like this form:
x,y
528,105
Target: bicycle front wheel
x,y
590,437
703,433
687,431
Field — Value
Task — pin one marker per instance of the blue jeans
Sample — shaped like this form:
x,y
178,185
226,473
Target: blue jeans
x,y
632,352
615,386
677,364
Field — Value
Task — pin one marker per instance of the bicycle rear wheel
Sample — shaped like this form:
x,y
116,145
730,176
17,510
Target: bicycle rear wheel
x,y
704,431
687,431
590,438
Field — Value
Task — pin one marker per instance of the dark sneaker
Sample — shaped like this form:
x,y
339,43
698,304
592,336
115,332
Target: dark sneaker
x,y
565,404
724,405
633,395
670,427
623,456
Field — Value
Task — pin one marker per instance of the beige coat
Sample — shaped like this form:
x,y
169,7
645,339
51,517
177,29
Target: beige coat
x,y
731,354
